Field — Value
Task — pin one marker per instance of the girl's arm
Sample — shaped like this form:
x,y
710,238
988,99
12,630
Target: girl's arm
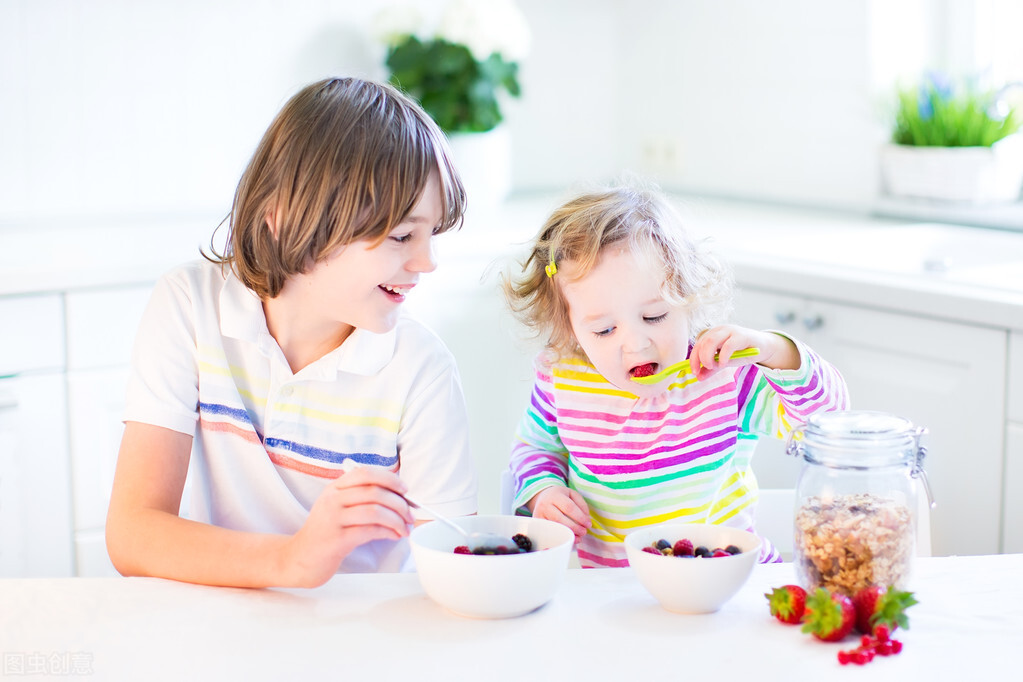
x,y
539,463
145,535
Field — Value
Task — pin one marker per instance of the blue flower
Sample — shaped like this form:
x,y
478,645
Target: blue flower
x,y
935,87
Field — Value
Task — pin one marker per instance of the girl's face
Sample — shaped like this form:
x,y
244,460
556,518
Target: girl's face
x,y
362,285
621,320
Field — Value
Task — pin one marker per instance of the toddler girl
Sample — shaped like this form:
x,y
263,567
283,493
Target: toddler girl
x,y
618,290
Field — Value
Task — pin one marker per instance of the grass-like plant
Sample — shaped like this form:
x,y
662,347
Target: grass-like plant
x,y
936,113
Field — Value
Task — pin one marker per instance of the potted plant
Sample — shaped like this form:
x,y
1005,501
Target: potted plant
x,y
954,144
460,70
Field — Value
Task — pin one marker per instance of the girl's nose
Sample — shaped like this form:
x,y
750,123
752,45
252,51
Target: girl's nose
x,y
636,340
423,258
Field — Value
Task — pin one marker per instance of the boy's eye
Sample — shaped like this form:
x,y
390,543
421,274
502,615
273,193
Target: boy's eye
x,y
655,319
402,238
436,231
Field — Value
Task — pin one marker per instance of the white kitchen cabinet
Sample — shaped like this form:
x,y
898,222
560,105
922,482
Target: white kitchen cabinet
x,y
101,327
35,490
945,376
1012,493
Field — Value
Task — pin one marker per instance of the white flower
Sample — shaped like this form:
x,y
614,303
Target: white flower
x,y
486,27
393,24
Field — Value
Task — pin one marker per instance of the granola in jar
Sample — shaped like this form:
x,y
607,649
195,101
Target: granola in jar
x,y
847,542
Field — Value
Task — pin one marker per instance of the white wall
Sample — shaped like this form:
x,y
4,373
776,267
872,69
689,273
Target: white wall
x,y
137,108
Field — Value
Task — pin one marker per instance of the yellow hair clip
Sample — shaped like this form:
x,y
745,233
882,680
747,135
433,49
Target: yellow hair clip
x,y
551,269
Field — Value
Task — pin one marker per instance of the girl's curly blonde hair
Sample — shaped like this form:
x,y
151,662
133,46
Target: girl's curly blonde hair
x,y
579,230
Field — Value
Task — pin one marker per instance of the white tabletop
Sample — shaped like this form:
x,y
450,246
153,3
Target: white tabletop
x,y
600,625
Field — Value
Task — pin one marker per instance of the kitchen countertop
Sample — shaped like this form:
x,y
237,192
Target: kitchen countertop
x,y
966,274
601,625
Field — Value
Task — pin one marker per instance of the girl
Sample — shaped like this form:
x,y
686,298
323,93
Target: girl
x,y
274,367
617,290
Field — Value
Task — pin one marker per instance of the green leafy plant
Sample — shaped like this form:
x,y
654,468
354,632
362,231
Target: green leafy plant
x,y
460,71
935,113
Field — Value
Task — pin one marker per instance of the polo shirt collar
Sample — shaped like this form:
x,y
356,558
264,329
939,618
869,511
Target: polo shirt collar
x,y
363,353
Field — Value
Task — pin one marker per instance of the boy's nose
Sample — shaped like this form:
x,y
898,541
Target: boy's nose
x,y
424,258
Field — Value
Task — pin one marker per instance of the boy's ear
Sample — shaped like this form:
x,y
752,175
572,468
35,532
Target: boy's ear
x,y
273,220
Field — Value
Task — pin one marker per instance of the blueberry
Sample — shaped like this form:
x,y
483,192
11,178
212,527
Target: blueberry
x,y
701,551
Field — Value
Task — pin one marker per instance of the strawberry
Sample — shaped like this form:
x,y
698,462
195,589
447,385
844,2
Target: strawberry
x,y
879,606
829,616
787,603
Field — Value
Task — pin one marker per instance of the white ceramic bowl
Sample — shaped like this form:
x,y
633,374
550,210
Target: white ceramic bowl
x,y
692,585
491,586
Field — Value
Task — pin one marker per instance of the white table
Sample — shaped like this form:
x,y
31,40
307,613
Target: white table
x,y
601,625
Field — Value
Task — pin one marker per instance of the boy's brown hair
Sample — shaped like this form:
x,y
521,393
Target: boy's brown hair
x,y
345,160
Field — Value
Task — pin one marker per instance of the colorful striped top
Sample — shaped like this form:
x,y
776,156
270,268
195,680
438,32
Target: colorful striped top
x,y
682,456
266,440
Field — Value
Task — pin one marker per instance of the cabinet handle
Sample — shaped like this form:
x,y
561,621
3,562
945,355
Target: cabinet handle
x,y
813,323
786,317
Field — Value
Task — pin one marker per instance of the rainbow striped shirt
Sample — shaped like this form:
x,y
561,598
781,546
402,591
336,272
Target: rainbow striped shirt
x,y
681,456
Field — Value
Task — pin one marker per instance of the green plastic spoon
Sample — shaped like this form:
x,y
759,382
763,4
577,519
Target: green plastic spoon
x,y
683,367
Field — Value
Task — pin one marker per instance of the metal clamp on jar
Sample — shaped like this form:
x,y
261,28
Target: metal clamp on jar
x,y
856,500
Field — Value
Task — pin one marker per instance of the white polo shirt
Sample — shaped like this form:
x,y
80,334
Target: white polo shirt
x,y
267,441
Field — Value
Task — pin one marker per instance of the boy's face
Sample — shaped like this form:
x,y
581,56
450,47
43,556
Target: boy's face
x,y
363,285
621,320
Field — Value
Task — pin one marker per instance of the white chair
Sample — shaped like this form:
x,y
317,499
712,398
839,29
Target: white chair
x,y
507,492
775,520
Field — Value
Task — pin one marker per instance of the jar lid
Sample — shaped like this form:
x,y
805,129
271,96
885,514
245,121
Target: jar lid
x,y
859,439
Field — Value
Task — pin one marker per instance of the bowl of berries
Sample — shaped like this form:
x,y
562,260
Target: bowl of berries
x,y
692,568
491,582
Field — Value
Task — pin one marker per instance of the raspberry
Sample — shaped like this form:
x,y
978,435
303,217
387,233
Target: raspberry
x,y
651,550
719,553
463,549
683,547
523,542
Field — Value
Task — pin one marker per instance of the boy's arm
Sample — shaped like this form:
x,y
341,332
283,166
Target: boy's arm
x,y
145,535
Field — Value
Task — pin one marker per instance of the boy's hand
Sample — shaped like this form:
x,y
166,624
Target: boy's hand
x,y
563,505
363,504
776,351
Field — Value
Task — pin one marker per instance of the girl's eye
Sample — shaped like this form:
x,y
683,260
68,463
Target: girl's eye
x,y
656,319
604,332
401,239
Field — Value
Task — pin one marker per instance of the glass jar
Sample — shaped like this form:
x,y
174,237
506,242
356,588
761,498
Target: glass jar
x,y
856,500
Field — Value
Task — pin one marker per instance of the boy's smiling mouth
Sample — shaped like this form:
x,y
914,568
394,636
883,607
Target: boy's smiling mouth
x,y
396,291
643,370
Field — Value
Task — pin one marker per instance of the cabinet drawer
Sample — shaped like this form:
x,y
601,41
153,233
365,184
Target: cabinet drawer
x,y
101,325
32,335
1015,406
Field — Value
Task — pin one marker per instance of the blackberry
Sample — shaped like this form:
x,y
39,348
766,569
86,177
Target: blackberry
x,y
523,541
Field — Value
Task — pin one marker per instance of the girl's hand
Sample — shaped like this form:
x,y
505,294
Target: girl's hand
x,y
776,351
563,505
363,504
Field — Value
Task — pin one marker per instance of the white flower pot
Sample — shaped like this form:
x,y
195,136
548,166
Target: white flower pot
x,y
484,163
962,174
